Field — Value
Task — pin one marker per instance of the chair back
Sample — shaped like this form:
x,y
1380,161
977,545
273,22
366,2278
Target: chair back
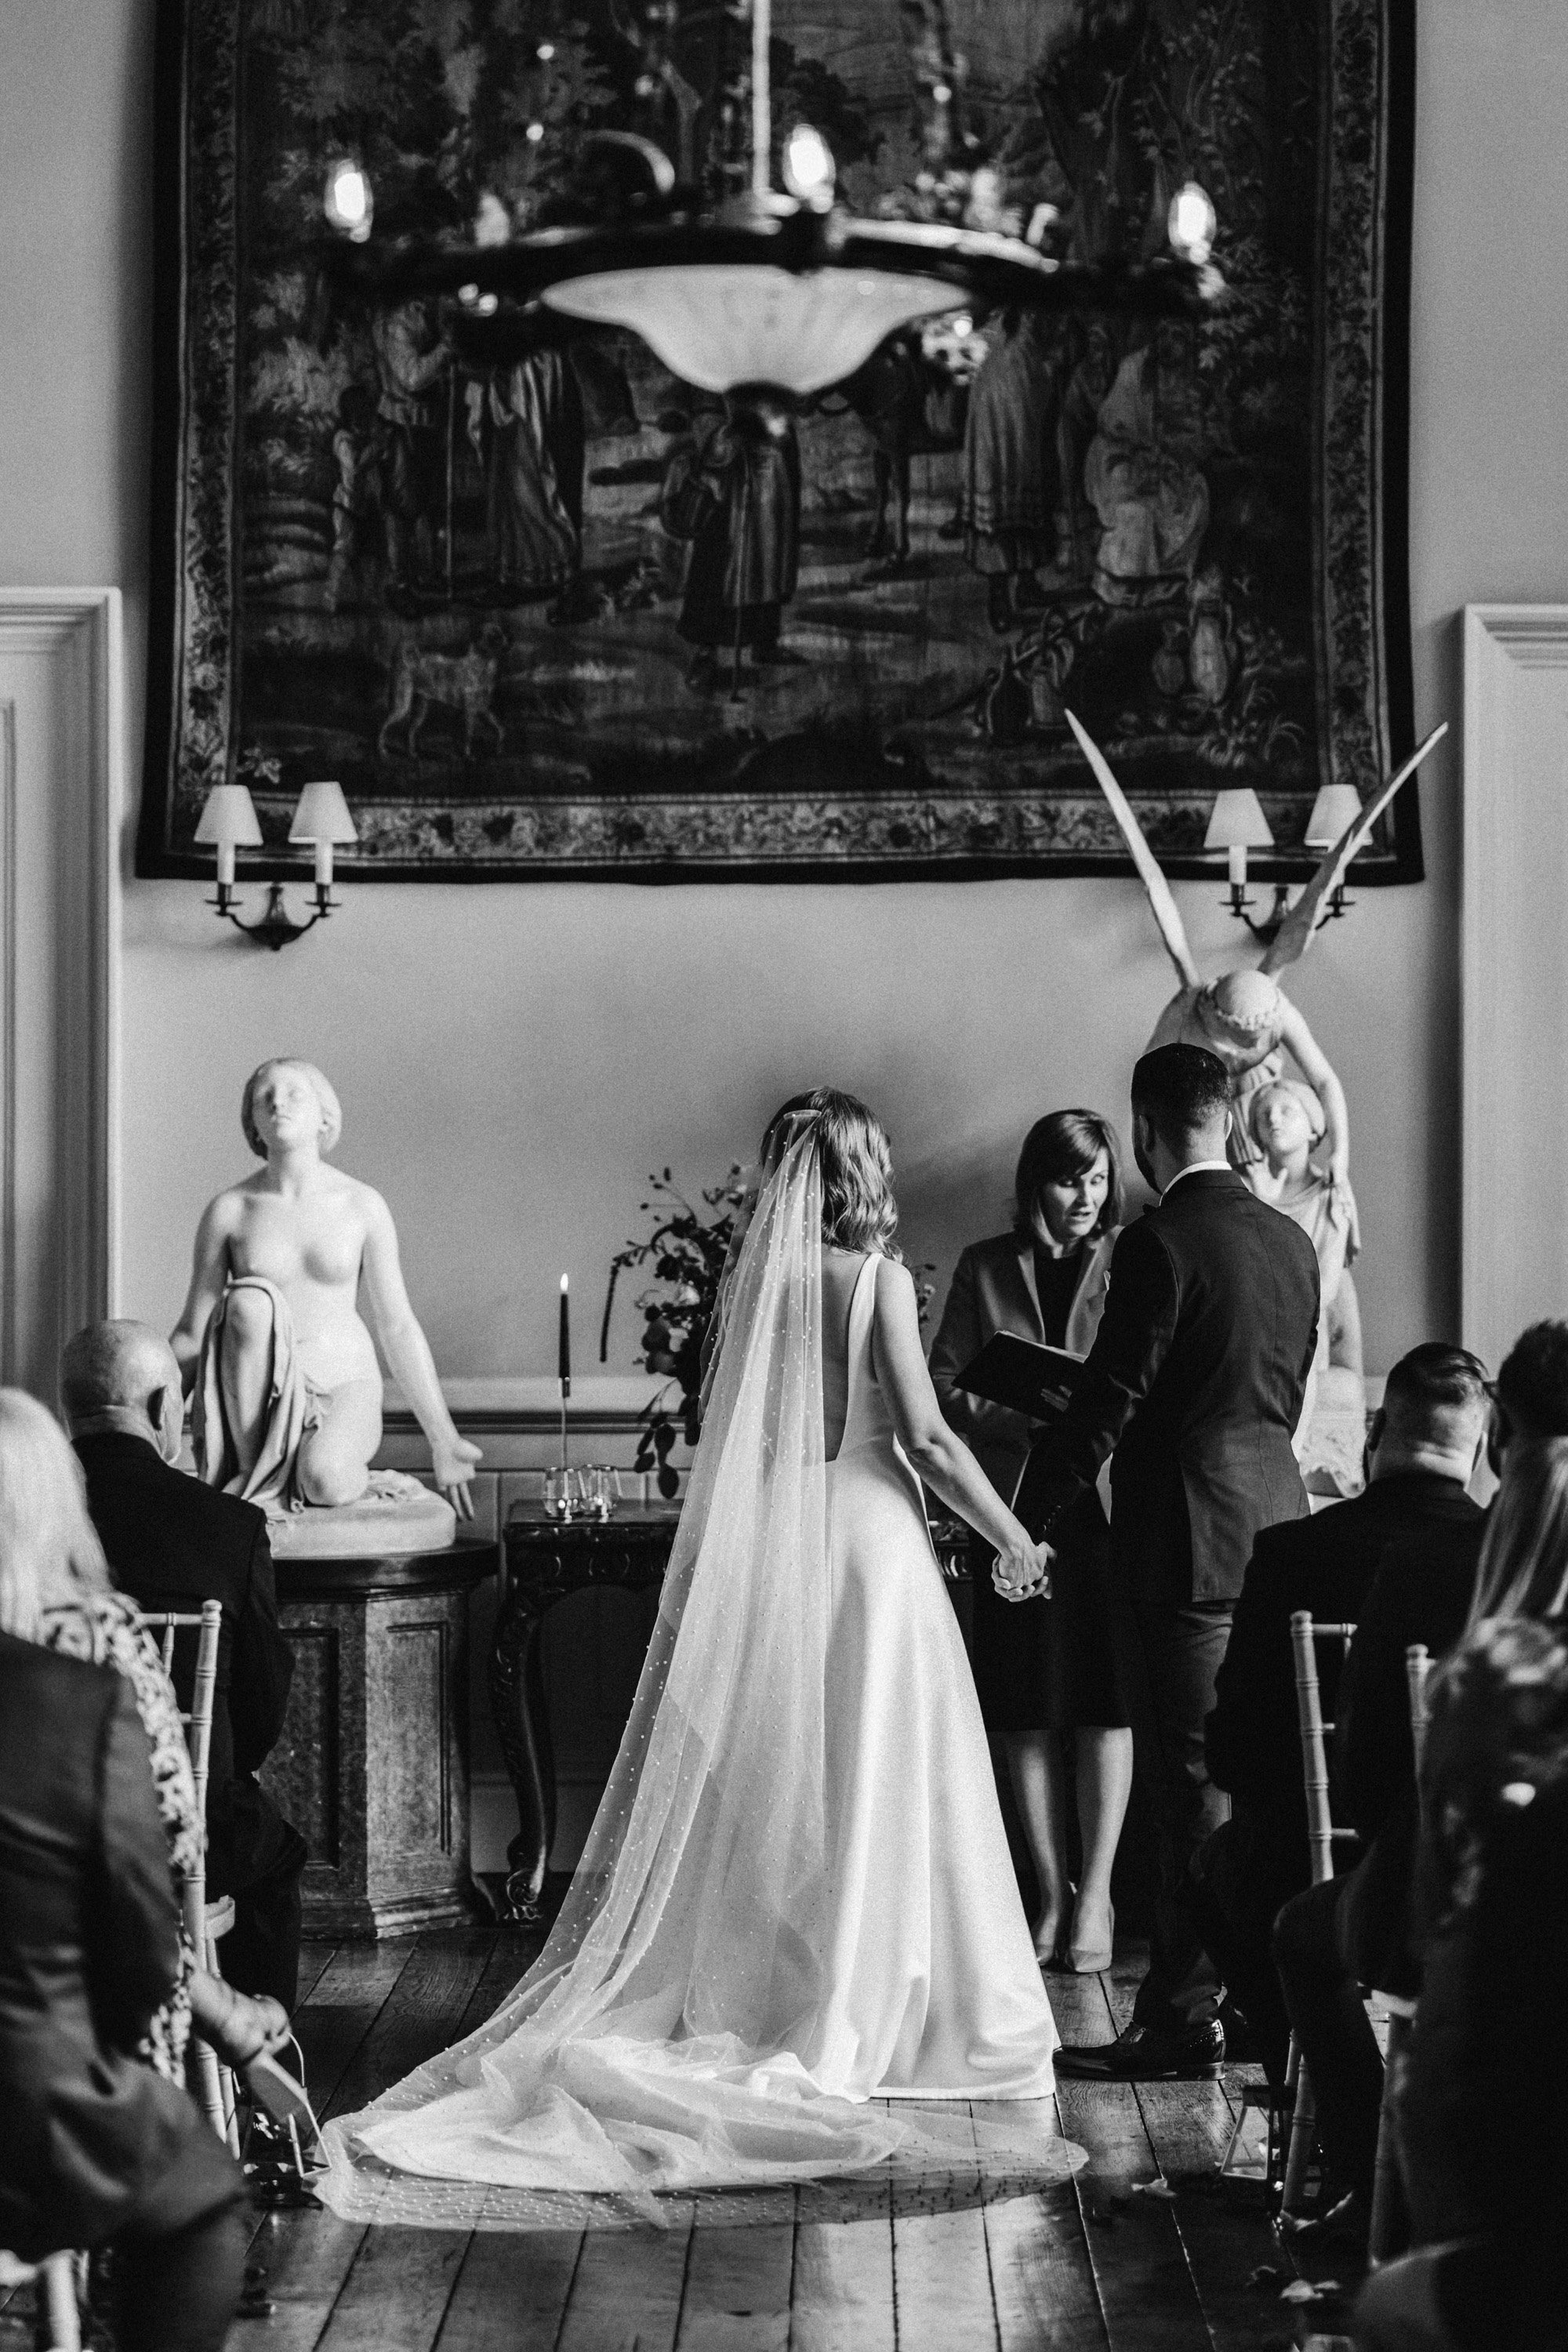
x,y
1306,1632
198,1722
1417,1666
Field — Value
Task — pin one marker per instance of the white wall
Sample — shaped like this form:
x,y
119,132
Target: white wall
x,y
513,1059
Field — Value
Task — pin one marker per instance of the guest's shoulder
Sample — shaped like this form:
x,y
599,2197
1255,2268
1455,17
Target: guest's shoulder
x,y
227,1517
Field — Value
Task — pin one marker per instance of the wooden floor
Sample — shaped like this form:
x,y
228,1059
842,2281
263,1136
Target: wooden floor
x,y
1094,2263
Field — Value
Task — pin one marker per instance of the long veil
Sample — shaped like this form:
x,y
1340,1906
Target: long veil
x,y
662,2040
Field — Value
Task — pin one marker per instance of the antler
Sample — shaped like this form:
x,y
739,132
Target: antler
x,y
1166,914
1294,936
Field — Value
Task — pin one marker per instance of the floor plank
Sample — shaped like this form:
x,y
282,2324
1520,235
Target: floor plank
x,y
510,2292
315,1954
1147,2294
843,2297
941,2264
307,2257
738,2283
512,1957
627,2293
353,1989
1042,2276
432,1990
396,2292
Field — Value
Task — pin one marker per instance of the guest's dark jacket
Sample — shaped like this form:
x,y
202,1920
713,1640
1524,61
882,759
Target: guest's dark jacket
x,y
172,1543
993,1291
93,2139
1325,1564
1421,1593
1194,1386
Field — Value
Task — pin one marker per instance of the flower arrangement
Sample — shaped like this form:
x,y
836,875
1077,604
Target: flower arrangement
x,y
686,1253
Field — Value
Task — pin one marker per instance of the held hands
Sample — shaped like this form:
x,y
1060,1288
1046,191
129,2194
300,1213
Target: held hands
x,y
1023,1571
452,1462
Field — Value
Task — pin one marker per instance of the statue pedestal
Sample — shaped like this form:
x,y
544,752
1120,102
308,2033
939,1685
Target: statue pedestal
x,y
373,1763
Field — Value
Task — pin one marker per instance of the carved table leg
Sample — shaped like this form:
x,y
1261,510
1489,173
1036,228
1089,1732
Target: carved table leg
x,y
516,1699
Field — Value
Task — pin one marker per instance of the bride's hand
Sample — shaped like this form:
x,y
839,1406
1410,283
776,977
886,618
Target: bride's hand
x,y
1023,1571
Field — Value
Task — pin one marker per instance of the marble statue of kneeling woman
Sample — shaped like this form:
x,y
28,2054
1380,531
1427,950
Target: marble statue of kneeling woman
x,y
287,1390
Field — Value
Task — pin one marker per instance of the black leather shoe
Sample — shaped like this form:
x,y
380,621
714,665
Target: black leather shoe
x,y
1195,2054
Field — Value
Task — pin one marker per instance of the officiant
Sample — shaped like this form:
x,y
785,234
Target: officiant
x,y
1049,1669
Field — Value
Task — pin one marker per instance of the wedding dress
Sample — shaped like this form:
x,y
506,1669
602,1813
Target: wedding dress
x,y
797,1901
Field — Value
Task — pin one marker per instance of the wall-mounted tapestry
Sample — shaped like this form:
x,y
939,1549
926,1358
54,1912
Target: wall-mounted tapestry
x,y
567,615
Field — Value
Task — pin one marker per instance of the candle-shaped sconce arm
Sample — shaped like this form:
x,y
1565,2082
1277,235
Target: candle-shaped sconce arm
x,y
563,1367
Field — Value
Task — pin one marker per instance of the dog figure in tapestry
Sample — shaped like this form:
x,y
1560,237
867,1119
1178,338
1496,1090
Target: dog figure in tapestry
x,y
464,684
1245,1016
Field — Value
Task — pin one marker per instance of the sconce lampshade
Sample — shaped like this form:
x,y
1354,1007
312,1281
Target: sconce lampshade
x,y
322,815
227,820
1237,821
1335,809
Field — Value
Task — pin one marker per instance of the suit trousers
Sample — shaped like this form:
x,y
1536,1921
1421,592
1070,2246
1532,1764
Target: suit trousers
x,y
1338,2048
261,1952
1181,1644
1240,1877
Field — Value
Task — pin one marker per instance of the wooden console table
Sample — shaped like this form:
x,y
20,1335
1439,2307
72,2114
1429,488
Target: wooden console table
x,y
547,1559
372,1765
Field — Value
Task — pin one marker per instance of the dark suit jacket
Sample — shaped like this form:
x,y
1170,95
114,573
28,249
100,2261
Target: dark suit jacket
x,y
1194,1386
1325,1564
1421,1593
172,1543
993,1291
94,2139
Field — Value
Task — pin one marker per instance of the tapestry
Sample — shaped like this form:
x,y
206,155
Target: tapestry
x,y
559,613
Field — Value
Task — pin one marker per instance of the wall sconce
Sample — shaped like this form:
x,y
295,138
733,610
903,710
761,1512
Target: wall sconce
x,y
1336,807
228,822
1236,824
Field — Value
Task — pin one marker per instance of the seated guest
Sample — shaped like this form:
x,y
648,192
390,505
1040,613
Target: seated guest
x,y
1046,1669
172,1543
100,2144
1355,1931
1480,2100
1421,1452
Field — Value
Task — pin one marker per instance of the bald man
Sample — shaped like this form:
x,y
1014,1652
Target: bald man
x,y
172,1543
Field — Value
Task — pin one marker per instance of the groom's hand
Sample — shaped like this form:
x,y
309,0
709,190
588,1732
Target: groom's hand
x,y
1023,1572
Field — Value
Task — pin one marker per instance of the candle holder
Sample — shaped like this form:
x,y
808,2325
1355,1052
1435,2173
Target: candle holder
x,y
563,1493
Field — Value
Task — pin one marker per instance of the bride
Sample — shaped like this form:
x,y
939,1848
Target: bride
x,y
796,1898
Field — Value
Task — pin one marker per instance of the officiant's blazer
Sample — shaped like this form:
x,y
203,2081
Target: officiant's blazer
x,y
993,1291
1193,1387
172,1543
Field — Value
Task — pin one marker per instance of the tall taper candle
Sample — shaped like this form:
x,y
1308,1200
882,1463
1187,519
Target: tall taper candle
x,y
565,1365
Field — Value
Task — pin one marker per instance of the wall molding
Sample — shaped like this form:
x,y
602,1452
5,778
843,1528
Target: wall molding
x,y
62,799
1513,971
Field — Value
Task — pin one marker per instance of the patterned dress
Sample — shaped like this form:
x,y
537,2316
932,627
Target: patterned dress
x,y
106,1630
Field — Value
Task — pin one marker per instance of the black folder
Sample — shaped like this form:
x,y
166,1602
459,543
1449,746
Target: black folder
x,y
1032,1380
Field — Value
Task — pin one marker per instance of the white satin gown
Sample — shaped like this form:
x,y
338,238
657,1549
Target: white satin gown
x,y
932,1987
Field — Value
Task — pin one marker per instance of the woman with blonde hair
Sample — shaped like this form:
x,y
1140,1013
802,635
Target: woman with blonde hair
x,y
796,1898
101,2143
1523,1567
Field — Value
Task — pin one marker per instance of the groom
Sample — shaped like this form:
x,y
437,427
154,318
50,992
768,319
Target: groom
x,y
1193,1387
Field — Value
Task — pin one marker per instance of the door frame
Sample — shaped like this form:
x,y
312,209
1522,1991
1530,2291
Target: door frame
x,y
62,819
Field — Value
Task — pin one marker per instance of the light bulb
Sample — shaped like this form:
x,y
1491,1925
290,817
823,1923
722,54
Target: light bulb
x,y
809,171
493,221
349,203
1190,222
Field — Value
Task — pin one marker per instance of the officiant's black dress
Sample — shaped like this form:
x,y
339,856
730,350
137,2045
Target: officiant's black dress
x,y
1063,1664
